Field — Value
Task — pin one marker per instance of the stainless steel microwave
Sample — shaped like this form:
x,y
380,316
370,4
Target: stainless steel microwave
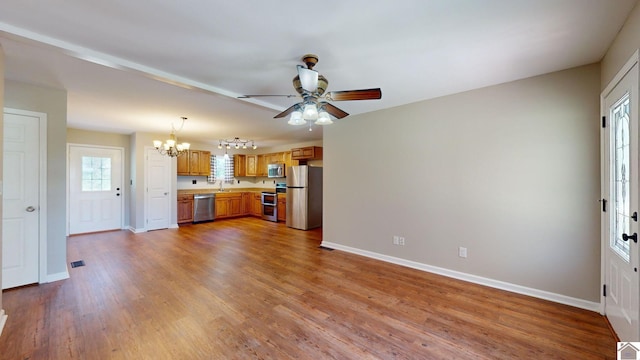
x,y
275,170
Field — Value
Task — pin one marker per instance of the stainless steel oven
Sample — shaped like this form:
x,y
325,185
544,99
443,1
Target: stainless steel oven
x,y
270,206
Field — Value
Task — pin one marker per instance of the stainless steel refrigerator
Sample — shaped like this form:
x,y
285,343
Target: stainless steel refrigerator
x,y
304,197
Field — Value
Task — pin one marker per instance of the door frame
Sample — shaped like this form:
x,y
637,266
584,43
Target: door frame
x,y
604,230
42,187
122,179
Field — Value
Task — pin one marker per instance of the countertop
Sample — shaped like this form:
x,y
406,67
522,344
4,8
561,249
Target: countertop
x,y
226,191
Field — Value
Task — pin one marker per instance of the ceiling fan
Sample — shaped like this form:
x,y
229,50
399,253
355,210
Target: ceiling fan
x,y
315,104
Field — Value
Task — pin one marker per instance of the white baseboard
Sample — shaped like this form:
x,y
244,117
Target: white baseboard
x,y
57,277
541,294
3,320
137,231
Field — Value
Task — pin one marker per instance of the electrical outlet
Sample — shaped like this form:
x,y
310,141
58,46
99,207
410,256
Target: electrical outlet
x,y
396,240
401,241
462,252
194,182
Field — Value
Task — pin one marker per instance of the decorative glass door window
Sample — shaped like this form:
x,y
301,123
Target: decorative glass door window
x,y
96,173
621,176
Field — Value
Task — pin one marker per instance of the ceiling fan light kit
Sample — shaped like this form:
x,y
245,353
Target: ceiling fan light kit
x,y
311,86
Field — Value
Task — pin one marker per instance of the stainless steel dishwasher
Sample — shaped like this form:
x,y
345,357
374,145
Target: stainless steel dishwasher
x,y
204,207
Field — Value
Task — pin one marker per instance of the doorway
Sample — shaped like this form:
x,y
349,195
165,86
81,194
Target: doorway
x,y
96,194
619,148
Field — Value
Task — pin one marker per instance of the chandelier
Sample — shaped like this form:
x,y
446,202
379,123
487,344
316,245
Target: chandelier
x,y
236,143
171,147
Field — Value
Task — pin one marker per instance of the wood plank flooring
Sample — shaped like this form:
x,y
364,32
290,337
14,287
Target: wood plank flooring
x,y
252,289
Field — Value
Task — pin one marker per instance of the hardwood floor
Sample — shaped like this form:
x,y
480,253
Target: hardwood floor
x,y
252,289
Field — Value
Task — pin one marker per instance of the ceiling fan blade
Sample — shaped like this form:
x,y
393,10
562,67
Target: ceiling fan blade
x,y
289,110
337,113
256,96
364,94
308,79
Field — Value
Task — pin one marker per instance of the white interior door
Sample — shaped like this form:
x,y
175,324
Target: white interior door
x,y
96,195
20,202
158,196
620,218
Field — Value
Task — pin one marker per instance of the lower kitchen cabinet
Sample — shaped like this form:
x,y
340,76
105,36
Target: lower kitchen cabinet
x,y
256,209
228,205
247,203
282,208
185,208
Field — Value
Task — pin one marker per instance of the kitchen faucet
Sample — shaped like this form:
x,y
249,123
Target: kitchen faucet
x,y
221,183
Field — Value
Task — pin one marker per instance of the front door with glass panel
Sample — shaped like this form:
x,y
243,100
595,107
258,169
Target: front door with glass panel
x,y
95,189
620,194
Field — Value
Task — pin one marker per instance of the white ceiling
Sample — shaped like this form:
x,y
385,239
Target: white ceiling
x,y
120,60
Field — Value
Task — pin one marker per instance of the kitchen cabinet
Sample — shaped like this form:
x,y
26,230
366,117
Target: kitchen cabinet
x,y
239,165
276,158
245,165
195,162
288,161
307,153
256,204
185,208
247,203
252,165
282,208
262,165
256,165
228,205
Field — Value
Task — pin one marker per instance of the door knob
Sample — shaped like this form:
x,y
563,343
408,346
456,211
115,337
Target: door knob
x,y
30,209
633,237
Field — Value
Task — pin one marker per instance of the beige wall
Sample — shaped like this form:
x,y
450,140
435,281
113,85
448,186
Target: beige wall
x,y
625,44
511,172
1,168
52,102
85,137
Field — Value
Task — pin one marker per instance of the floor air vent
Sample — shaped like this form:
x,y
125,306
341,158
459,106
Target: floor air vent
x,y
325,248
75,264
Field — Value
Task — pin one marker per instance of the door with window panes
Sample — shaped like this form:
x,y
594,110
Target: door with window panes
x,y
95,189
620,206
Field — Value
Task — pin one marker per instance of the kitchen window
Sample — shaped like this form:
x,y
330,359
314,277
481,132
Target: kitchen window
x,y
221,168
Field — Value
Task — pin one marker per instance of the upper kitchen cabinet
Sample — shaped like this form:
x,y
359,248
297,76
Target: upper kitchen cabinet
x,y
195,162
307,153
245,165
256,165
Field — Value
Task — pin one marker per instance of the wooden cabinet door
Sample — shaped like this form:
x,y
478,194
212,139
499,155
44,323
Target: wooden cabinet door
x,y
288,161
194,162
235,205
276,158
247,199
262,165
257,205
239,165
282,209
307,153
204,163
183,164
185,209
222,207
252,165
